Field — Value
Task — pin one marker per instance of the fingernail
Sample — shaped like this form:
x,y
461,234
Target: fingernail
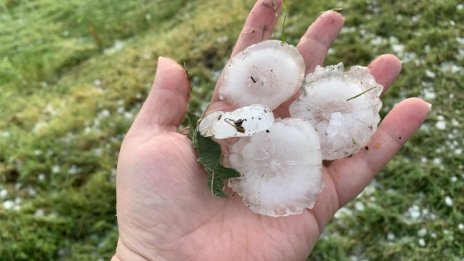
x,y
161,59
429,105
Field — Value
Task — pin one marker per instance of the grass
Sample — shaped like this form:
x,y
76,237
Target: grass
x,y
74,73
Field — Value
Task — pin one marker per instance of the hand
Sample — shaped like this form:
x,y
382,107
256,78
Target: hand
x,y
164,207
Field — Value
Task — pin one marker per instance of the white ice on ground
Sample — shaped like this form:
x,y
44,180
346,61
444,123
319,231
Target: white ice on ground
x,y
243,122
281,170
267,73
342,106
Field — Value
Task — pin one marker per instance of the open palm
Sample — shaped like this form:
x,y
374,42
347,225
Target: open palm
x,y
164,207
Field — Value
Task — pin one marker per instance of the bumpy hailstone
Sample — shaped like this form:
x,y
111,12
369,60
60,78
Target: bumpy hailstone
x,y
280,170
243,122
267,73
342,106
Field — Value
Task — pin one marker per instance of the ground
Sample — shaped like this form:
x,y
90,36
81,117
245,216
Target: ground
x,y
73,74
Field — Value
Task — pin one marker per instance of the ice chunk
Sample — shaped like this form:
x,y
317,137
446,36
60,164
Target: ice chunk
x,y
281,170
267,73
243,122
342,106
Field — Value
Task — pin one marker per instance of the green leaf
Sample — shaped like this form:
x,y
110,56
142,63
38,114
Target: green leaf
x,y
209,156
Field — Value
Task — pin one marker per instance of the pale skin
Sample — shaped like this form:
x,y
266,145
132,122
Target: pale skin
x,y
165,210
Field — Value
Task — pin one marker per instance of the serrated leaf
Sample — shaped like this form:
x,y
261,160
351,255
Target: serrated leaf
x,y
192,120
209,156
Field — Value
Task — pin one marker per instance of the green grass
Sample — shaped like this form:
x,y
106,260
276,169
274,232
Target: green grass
x,y
74,73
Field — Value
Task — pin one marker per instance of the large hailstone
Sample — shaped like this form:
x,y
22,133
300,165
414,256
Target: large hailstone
x,y
243,122
281,170
342,106
267,73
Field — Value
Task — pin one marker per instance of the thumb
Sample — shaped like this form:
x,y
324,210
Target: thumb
x,y
166,103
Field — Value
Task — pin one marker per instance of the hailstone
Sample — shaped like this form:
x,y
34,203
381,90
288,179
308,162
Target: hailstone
x,y
268,73
342,106
243,122
281,169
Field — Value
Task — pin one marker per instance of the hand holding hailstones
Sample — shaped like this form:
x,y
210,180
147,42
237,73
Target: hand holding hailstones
x,y
280,161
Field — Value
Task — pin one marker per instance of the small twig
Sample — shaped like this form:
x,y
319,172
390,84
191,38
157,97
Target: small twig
x,y
284,10
357,95
189,79
264,30
93,32
236,124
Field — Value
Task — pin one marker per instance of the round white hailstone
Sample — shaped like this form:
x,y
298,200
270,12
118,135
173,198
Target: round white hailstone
x,y
342,106
268,73
243,122
281,170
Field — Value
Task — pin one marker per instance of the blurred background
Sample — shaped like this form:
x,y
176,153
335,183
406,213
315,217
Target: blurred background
x,y
74,73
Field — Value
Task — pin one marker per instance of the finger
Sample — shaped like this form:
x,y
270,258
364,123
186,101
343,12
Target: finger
x,y
259,24
385,69
258,27
351,175
316,41
166,103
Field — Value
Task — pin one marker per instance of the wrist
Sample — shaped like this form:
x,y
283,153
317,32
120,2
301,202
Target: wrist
x,y
124,253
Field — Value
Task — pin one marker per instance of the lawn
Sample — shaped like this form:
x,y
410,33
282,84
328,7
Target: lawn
x,y
74,73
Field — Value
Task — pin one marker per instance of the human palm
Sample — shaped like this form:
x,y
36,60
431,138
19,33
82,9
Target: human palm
x,y
164,207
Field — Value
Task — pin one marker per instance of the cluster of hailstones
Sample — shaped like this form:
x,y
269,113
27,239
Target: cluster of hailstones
x,y
280,160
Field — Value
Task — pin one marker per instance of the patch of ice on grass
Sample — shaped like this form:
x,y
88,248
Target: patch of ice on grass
x,y
391,236
5,134
39,213
415,18
39,126
414,212
73,170
428,92
421,242
359,206
422,232
441,125
377,40
430,74
437,161
448,201
8,204
449,67
104,114
397,48
41,177
12,204
51,110
343,212
56,169
3,193
31,191
117,46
